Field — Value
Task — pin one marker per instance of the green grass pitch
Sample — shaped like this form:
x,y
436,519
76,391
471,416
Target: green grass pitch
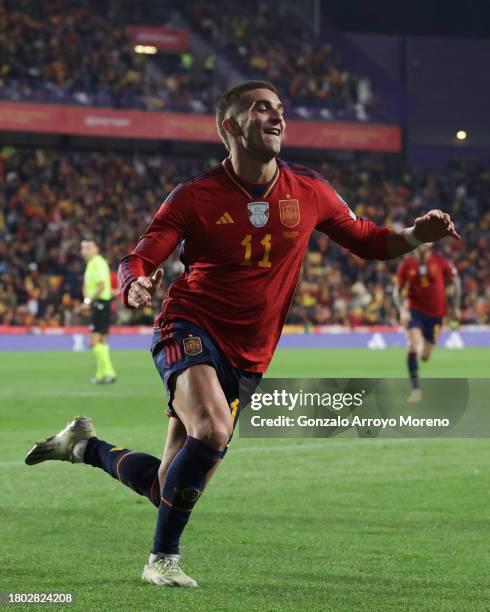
x,y
339,524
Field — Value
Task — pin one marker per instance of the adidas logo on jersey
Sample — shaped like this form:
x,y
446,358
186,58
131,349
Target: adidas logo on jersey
x,y
226,218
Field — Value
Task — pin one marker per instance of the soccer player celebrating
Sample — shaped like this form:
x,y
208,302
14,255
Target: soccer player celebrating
x,y
97,293
424,275
244,226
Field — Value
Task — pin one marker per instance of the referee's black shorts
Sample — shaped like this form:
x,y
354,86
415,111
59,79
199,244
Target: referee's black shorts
x,y
100,317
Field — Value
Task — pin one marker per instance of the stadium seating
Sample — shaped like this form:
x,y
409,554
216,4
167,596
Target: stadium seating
x,y
77,54
267,41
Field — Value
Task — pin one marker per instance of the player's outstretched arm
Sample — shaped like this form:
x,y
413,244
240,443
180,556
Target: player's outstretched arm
x,y
370,241
143,288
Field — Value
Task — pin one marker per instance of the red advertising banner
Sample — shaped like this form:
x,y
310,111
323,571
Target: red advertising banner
x,y
81,121
165,39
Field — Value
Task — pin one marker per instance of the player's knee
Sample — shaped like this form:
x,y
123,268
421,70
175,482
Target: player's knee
x,y
214,432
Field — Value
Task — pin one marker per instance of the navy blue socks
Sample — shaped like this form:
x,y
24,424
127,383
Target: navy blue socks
x,y
413,369
138,471
184,483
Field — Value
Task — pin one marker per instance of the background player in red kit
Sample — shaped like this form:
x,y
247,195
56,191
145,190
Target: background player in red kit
x,y
425,276
245,227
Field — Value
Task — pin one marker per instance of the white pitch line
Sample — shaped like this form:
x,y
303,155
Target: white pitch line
x,y
328,444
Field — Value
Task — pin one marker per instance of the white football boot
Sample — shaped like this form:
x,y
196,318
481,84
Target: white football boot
x,y
415,396
165,570
60,446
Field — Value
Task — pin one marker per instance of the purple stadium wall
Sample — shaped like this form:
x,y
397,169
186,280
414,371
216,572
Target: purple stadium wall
x,y
470,336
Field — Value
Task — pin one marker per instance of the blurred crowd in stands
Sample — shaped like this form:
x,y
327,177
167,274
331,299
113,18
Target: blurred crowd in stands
x,y
74,54
338,287
79,53
49,200
268,41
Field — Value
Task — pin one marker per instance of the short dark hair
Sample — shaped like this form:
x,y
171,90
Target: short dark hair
x,y
231,97
89,238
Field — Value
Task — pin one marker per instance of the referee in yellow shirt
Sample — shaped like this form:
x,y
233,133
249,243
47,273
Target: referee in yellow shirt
x,y
97,295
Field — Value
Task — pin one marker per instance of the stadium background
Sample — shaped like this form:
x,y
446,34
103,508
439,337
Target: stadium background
x,y
104,108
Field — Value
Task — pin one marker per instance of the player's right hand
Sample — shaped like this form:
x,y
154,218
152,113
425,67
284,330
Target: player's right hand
x,y
143,288
404,316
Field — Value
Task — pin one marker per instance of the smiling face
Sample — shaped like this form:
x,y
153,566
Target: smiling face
x,y
257,124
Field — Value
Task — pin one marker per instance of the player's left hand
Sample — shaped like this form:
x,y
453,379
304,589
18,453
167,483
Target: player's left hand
x,y
433,226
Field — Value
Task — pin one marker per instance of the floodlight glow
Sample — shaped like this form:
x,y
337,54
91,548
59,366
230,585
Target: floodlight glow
x,y
147,49
461,135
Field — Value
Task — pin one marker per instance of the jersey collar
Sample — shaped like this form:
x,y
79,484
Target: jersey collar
x,y
247,187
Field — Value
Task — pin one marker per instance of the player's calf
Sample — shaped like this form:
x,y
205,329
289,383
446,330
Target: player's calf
x,y
176,437
184,483
136,470
427,351
78,443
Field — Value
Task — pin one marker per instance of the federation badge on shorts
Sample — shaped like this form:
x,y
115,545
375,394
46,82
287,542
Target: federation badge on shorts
x,y
289,212
192,345
258,213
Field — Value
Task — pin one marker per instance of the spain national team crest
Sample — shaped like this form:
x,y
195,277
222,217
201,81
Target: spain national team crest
x,y
192,345
289,212
258,213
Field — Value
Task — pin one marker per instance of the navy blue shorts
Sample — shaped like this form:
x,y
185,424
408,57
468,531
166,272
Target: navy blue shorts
x,y
430,326
178,345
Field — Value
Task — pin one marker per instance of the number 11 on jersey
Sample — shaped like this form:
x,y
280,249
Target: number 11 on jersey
x,y
266,242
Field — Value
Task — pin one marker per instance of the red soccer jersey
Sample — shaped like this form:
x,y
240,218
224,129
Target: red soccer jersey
x,y
426,283
244,253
